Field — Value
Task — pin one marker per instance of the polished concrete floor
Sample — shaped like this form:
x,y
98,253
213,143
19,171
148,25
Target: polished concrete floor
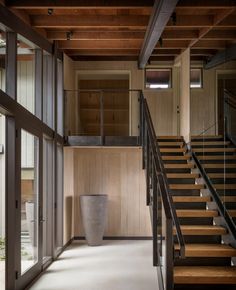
x,y
117,265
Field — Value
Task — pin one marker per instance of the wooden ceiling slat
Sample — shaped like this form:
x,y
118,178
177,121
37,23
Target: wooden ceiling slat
x,y
68,4
92,11
110,35
211,4
217,19
95,35
89,21
119,52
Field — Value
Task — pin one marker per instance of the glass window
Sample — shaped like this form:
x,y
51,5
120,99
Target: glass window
x,y
59,199
60,98
2,203
48,92
29,200
2,60
26,74
158,78
195,78
48,185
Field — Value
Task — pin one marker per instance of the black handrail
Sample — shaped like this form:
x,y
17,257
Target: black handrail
x,y
166,195
222,209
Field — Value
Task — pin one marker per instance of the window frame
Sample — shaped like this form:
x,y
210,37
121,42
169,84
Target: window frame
x,y
201,78
159,69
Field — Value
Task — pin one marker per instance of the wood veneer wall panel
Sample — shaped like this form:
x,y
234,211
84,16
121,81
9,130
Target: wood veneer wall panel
x,y
118,173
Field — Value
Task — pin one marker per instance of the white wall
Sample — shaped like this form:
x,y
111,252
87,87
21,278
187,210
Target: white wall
x,y
183,63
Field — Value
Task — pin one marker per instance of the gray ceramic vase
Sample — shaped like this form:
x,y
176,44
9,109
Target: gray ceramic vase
x,y
94,216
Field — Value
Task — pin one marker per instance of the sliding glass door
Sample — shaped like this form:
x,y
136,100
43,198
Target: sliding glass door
x,y
29,218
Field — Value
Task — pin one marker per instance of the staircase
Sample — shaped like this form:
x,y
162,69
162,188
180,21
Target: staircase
x,y
207,263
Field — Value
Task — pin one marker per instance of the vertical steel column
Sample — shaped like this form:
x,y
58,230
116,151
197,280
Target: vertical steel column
x,y
11,65
148,168
39,83
102,118
154,222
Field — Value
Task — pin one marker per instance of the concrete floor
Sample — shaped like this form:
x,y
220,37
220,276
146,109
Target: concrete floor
x,y
117,265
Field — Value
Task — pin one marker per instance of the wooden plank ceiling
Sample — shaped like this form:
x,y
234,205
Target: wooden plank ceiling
x,y
115,29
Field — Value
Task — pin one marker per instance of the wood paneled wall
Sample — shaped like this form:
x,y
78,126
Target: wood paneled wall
x,y
162,103
118,173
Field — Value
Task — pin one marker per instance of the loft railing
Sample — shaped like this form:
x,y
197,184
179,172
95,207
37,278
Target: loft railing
x,y
165,223
101,112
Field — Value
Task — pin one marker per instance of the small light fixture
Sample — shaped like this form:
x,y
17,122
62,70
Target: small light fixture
x,y
50,11
174,18
69,35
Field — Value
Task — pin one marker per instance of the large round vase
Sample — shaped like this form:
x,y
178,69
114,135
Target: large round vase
x,y
94,216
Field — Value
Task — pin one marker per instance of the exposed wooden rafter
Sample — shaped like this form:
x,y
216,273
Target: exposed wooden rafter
x,y
65,4
220,16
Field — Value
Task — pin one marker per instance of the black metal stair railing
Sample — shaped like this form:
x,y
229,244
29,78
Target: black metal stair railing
x,y
221,207
165,223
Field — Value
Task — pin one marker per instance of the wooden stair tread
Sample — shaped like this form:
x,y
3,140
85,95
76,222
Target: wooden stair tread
x,y
176,143
224,186
232,212
196,213
176,157
216,157
228,198
214,150
204,275
170,137
181,166
207,143
202,230
222,175
187,186
183,175
208,250
206,136
191,198
172,150
219,165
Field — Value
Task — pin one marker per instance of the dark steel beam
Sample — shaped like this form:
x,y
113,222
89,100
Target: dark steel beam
x,y
222,57
161,13
10,20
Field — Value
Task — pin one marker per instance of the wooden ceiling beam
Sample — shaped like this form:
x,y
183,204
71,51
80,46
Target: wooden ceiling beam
x,y
78,4
109,35
95,35
220,34
119,52
100,44
216,20
215,4
203,52
212,44
91,11
119,44
124,21
71,21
